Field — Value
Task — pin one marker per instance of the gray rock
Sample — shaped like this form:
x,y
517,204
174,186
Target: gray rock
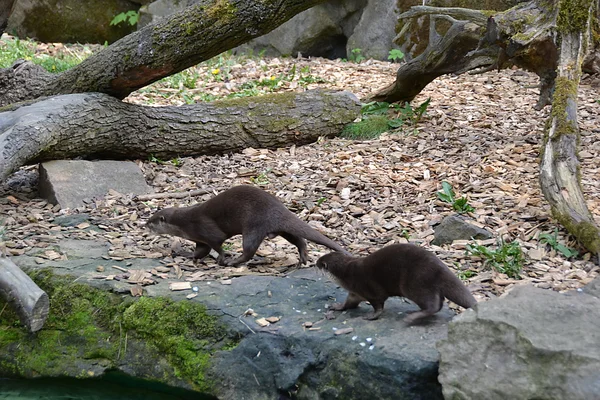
x,y
283,359
70,182
70,21
454,227
375,31
71,220
593,288
532,344
321,31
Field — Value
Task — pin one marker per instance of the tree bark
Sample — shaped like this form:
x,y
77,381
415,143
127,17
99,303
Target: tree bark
x,y
29,301
560,176
522,36
171,45
95,125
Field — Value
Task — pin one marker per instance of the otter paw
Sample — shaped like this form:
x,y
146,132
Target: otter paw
x,y
337,307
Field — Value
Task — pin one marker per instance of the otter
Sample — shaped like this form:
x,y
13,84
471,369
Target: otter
x,y
404,270
245,210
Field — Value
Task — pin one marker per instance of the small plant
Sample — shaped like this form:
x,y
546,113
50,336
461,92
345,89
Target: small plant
x,y
465,274
13,50
177,161
507,258
395,55
321,200
552,241
459,205
356,57
376,108
367,128
154,159
130,16
261,179
414,115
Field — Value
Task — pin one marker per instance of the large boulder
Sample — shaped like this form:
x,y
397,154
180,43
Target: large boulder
x,y
242,358
70,21
374,33
532,344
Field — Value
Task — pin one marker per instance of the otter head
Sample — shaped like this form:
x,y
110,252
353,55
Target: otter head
x,y
159,222
331,261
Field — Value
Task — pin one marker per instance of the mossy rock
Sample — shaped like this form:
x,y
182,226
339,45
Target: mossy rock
x,y
90,331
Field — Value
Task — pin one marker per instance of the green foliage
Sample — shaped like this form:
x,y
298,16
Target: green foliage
x,y
552,241
447,195
395,55
130,16
12,50
465,274
261,179
376,108
367,128
321,200
356,56
154,159
507,258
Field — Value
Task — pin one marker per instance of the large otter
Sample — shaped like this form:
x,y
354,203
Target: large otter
x,y
398,270
245,210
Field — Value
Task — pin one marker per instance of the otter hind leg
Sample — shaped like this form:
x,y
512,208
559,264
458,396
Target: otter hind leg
x,y
299,242
430,303
250,243
202,250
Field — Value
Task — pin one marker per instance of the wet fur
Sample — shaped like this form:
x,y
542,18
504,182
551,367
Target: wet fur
x,y
245,210
402,270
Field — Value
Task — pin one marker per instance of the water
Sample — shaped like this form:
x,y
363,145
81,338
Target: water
x,y
112,386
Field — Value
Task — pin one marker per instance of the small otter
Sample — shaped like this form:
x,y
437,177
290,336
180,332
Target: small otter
x,y
245,210
397,270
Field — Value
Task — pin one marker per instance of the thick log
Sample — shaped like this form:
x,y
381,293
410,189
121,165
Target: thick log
x,y
560,172
171,45
96,125
29,301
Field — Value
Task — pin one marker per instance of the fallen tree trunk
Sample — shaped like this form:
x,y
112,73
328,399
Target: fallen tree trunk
x,y
95,125
171,45
29,301
522,36
560,173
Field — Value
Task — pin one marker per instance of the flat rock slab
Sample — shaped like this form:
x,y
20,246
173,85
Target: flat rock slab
x,y
532,344
70,182
383,359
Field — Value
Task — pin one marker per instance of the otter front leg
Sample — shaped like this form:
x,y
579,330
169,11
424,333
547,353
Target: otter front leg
x,y
202,250
377,309
352,301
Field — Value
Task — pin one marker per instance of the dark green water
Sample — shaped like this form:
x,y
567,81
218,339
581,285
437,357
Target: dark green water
x,y
113,386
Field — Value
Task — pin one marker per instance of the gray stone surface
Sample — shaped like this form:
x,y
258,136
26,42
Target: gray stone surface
x,y
532,344
70,21
454,227
375,31
70,182
593,288
285,359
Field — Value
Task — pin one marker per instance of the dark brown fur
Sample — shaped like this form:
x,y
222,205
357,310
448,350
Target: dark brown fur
x,y
398,270
245,210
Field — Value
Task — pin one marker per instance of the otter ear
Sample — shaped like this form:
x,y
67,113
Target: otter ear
x,y
324,265
162,218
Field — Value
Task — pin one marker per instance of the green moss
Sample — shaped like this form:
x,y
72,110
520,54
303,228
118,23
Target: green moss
x,y
367,128
573,15
564,89
286,99
585,232
182,330
88,326
222,10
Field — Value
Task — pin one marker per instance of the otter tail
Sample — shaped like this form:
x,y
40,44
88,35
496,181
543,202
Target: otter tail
x,y
454,290
308,233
